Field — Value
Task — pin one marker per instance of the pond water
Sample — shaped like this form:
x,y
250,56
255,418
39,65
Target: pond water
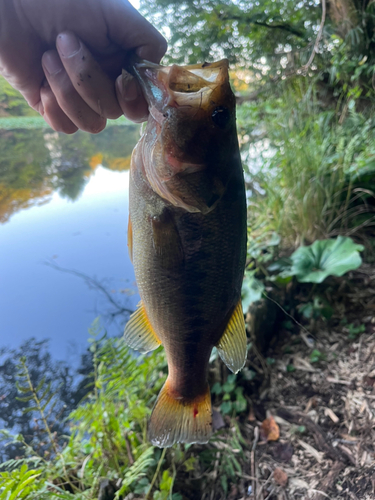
x,y
63,226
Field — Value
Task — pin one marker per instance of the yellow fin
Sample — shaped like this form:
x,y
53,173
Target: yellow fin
x,y
130,239
139,334
232,345
178,420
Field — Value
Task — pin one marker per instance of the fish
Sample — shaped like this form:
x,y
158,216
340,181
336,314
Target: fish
x,y
187,240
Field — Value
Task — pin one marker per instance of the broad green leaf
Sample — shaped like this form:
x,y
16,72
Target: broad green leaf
x,y
240,404
281,265
306,310
226,407
313,263
228,387
216,388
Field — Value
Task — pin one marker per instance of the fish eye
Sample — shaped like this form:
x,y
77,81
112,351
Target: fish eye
x,y
220,116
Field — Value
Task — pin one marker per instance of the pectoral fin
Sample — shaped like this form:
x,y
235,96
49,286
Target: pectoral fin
x,y
232,345
139,334
130,239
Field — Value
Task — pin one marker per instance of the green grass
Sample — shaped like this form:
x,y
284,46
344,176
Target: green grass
x,y
316,177
33,122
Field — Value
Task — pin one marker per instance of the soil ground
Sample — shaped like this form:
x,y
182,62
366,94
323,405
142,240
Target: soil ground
x,y
321,394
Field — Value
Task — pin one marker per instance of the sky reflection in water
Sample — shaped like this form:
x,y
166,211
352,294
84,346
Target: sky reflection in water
x,y
85,236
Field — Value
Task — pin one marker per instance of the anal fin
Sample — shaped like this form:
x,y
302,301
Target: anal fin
x,y
139,334
232,345
179,420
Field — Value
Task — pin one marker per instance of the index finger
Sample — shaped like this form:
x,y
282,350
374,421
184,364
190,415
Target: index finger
x,y
92,84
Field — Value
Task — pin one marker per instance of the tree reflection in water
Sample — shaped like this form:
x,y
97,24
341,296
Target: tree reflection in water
x,y
35,163
114,307
69,384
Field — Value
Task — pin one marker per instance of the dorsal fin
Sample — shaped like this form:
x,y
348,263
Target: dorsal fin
x,y
139,334
232,345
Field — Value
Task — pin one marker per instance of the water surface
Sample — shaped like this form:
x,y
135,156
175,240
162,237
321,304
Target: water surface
x,y
63,227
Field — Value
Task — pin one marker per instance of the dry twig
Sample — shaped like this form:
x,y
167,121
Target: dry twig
x,y
306,66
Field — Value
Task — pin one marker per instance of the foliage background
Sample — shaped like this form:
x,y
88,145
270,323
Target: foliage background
x,y
306,132
308,149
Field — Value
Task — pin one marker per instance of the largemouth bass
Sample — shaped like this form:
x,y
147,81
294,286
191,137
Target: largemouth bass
x,y
187,240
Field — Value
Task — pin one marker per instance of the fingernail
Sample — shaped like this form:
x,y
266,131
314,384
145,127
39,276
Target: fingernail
x,y
68,44
51,62
128,87
152,52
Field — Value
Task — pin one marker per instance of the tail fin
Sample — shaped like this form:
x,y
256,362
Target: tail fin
x,y
180,420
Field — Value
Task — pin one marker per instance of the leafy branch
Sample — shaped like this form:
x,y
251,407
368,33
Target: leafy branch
x,y
42,403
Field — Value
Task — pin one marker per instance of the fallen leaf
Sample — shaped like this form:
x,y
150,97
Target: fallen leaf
x,y
368,381
283,452
296,483
280,477
269,430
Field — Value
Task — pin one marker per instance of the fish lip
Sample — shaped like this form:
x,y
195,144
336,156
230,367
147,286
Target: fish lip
x,y
180,86
147,64
204,67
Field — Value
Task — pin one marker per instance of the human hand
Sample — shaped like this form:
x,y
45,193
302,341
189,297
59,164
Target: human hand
x,y
66,59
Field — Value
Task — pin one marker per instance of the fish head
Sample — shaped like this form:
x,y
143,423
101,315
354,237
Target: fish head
x,y
191,132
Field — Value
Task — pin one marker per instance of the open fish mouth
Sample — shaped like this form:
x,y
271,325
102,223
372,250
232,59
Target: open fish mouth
x,y
190,107
178,86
